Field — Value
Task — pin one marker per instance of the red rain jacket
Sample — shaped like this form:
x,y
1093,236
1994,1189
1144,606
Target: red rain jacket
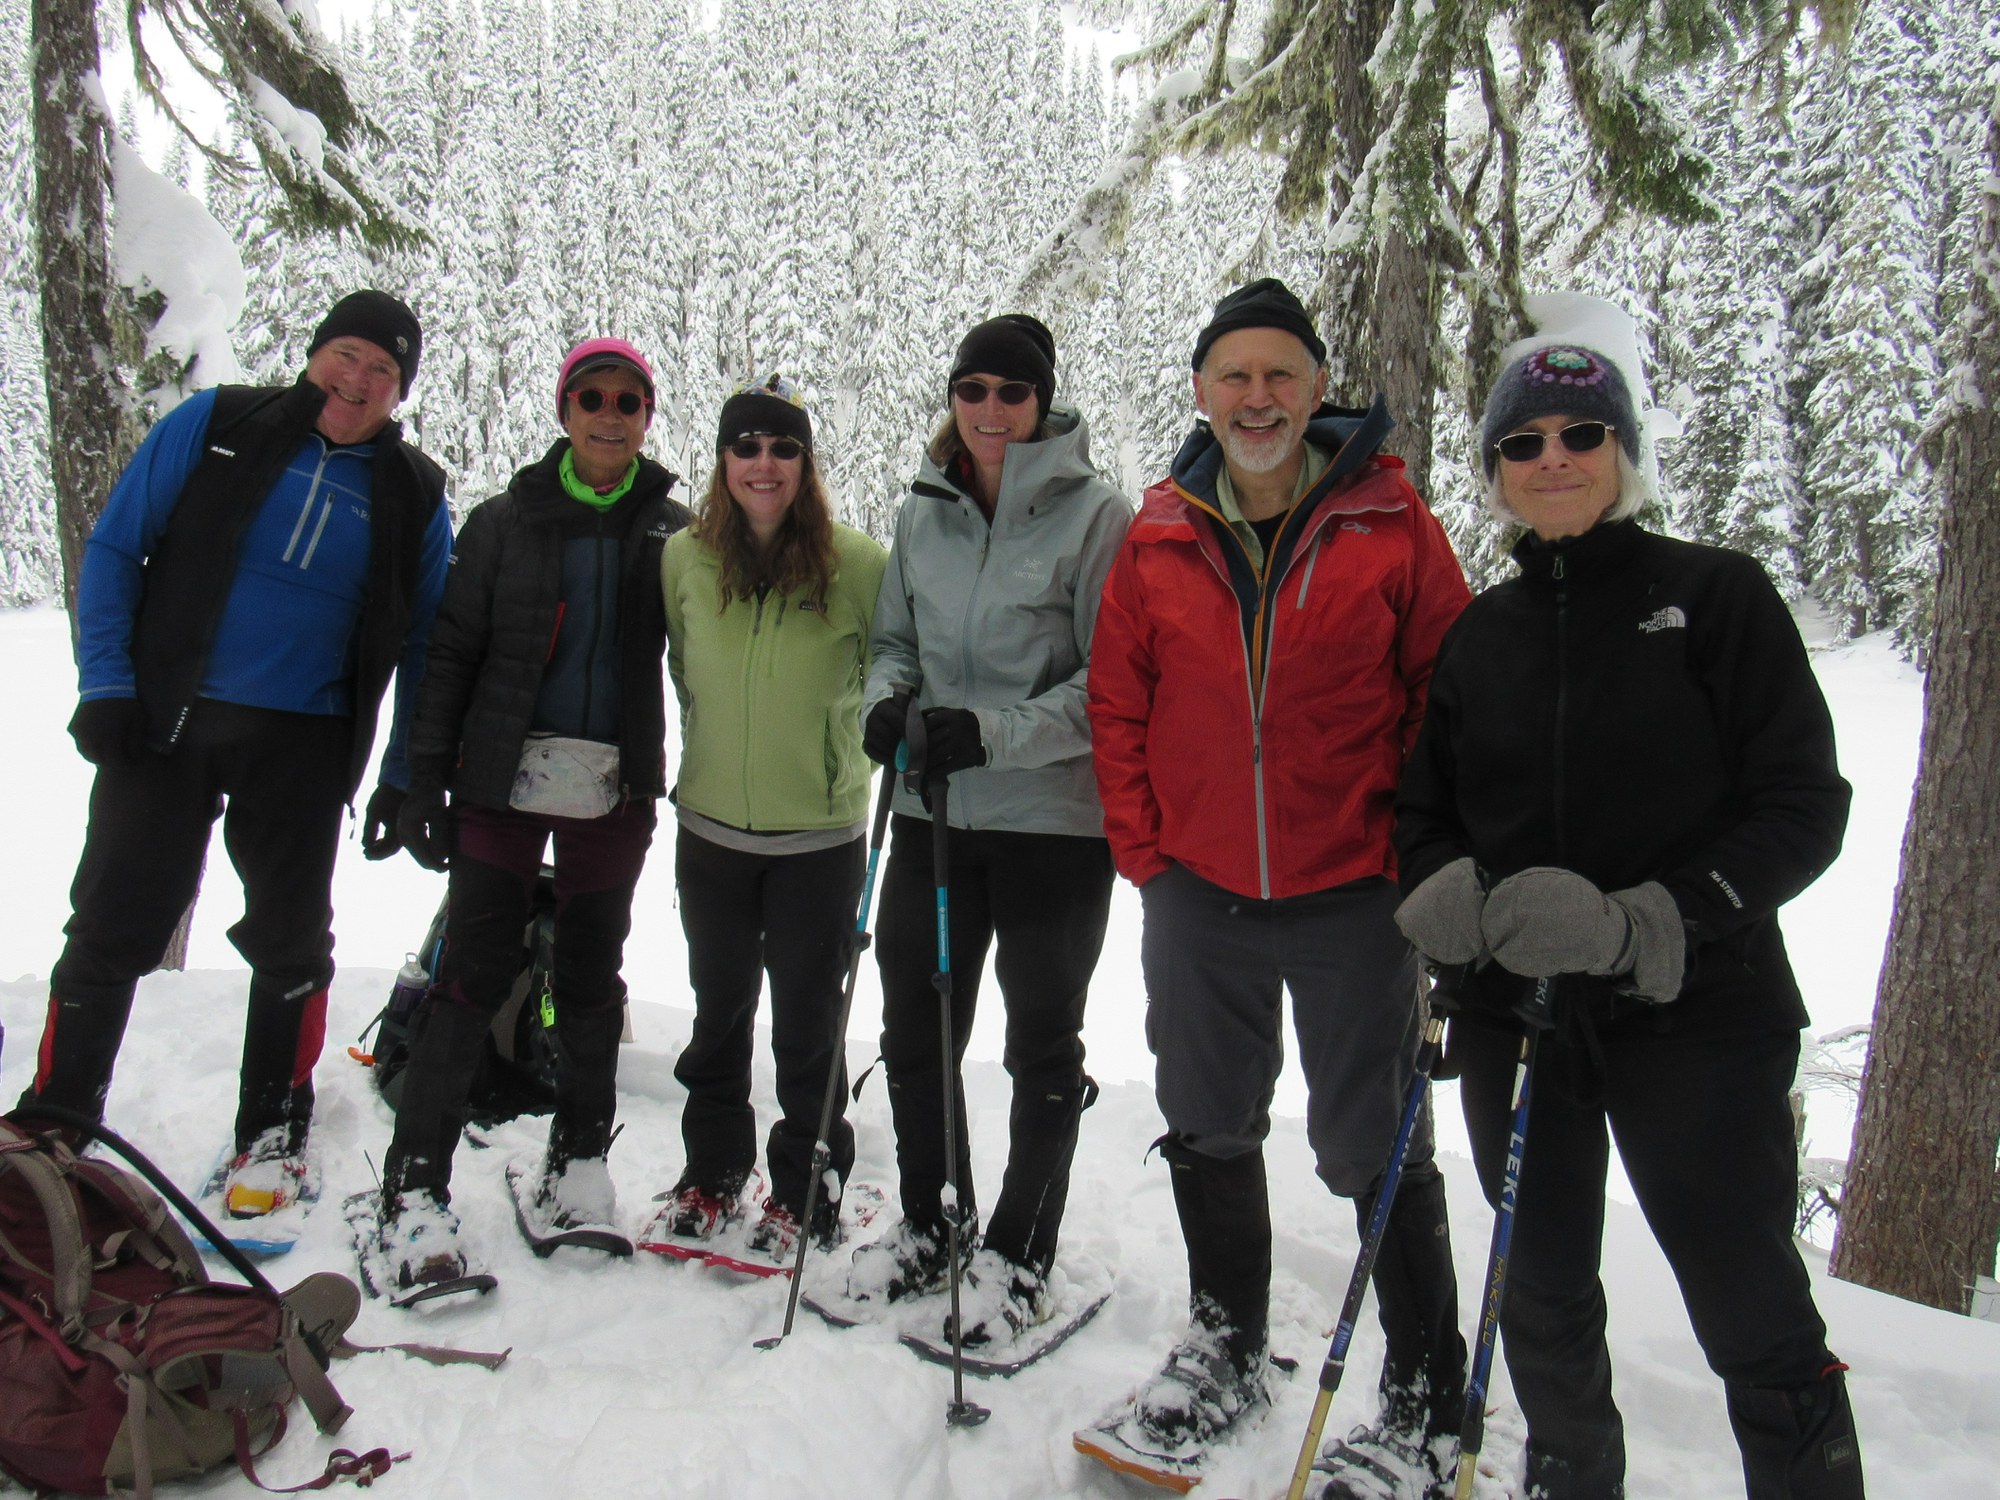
x,y
1252,726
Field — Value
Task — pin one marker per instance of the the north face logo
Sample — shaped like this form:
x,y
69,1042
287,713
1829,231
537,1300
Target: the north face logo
x,y
1670,618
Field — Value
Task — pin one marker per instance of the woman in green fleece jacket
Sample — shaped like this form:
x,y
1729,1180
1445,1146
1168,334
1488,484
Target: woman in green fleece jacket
x,y
769,601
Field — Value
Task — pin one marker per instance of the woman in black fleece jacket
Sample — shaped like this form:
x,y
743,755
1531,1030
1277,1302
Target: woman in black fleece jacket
x,y
1625,769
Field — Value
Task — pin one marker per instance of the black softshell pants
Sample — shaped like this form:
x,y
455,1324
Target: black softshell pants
x,y
749,915
1705,1134
1040,901
279,783
494,871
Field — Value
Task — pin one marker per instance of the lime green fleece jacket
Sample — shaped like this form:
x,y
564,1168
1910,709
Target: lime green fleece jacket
x,y
770,690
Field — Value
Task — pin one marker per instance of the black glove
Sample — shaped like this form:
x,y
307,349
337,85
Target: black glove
x,y
423,826
379,836
954,741
109,731
883,730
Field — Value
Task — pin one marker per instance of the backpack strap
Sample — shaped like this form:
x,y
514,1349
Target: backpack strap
x,y
343,1463
69,1276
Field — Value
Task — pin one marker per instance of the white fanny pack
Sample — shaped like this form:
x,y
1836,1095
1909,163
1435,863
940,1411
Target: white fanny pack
x,y
565,778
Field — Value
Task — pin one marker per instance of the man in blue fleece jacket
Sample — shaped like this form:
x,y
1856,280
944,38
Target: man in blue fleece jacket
x,y
269,558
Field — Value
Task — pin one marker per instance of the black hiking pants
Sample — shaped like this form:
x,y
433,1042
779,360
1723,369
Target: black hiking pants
x,y
747,916
494,871
1705,1134
279,782
1040,901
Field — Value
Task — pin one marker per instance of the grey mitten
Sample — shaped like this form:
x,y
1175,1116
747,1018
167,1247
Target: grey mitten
x,y
1547,921
1441,916
1656,959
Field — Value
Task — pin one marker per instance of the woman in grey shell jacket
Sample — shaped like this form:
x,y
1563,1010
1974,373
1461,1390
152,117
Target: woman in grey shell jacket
x,y
984,622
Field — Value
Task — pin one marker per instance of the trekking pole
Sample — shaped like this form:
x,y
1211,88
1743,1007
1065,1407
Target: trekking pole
x,y
857,944
1443,993
1537,1014
961,1412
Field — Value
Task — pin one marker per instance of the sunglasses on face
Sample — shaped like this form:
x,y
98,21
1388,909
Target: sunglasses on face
x,y
1526,447
783,449
629,403
1010,392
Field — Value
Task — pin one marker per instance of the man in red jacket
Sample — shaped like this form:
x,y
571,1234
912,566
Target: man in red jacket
x,y
1258,676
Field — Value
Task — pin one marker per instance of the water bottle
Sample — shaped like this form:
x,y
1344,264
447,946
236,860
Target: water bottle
x,y
412,984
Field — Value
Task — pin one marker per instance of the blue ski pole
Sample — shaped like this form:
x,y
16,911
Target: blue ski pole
x,y
1537,1014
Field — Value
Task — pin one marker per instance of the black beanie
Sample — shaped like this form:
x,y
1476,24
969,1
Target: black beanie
x,y
385,321
1014,347
1565,379
769,406
1264,303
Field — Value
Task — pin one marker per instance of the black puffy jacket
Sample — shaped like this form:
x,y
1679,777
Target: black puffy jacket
x,y
1636,708
497,631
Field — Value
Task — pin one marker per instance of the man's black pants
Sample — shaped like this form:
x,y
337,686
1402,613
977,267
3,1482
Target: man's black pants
x,y
279,782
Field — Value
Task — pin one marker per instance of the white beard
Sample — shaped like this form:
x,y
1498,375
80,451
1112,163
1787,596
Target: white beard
x,y
1258,455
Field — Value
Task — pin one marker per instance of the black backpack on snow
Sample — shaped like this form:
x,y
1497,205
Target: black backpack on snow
x,y
517,1076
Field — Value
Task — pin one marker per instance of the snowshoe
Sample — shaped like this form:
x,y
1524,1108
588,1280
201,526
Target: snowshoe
x,y
1012,1317
1382,1462
573,1208
1164,1431
769,1247
412,1256
259,1199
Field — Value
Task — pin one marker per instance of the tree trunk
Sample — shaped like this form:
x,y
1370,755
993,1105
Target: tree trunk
x,y
91,431
1384,314
1921,1211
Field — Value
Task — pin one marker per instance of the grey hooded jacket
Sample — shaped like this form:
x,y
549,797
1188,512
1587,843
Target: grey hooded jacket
x,y
998,619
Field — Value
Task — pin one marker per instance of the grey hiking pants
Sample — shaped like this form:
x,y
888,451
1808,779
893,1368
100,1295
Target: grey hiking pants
x,y
1216,967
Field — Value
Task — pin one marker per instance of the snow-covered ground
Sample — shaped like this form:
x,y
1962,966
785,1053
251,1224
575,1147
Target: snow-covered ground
x,y
640,1378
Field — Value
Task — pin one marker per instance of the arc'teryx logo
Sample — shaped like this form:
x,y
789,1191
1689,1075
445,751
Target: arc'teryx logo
x,y
1673,617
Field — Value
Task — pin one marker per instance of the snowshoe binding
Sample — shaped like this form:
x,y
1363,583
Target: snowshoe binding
x,y
574,1206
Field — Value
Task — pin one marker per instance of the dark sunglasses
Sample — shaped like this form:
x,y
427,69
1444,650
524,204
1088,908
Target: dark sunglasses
x,y
1526,447
629,403
1010,392
783,449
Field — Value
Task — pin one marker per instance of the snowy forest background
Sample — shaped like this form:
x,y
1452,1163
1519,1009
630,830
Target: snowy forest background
x,y
836,189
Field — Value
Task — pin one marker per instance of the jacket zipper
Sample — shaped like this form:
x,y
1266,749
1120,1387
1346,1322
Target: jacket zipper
x,y
749,706
596,629
312,494
958,795
1562,704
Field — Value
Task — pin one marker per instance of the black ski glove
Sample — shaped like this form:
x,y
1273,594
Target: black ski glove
x,y
883,731
423,826
954,741
380,837
109,731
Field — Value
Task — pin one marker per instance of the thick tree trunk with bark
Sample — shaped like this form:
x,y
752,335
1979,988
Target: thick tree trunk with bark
x,y
91,431
1384,316
1921,1211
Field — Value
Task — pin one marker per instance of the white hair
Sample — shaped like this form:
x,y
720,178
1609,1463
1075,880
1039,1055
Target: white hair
x,y
1633,493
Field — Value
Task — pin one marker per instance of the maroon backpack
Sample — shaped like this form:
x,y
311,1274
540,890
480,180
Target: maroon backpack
x,y
121,1363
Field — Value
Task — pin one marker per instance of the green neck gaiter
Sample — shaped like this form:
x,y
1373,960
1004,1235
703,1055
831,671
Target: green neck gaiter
x,y
578,490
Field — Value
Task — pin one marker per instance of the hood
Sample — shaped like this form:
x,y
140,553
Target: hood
x,y
1057,465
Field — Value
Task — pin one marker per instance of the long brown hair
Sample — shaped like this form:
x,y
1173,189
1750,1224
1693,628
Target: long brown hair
x,y
800,562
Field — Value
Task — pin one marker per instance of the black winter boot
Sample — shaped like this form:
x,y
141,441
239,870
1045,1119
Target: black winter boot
x,y
1797,1444
1225,1214
444,1055
916,1108
1041,1143
277,1018
80,1039
586,1082
1416,1288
